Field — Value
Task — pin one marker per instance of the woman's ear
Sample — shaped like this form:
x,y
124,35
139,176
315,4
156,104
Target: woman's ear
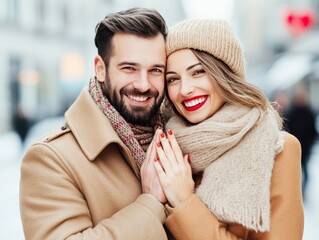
x,y
100,68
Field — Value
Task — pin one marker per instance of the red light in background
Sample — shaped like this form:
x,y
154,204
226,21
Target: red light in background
x,y
299,22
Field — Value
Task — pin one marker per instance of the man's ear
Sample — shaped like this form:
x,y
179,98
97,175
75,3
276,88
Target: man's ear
x,y
100,68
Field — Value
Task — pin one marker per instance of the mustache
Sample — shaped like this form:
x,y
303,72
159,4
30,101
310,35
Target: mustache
x,y
148,93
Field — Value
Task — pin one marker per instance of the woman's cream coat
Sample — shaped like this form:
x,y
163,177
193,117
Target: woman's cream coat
x,y
80,182
193,221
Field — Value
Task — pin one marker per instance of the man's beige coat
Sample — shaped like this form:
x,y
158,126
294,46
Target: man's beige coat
x,y
80,182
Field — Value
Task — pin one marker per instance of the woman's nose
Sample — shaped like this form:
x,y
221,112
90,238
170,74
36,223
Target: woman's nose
x,y
187,88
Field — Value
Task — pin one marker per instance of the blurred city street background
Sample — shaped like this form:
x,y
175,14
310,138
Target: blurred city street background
x,y
46,58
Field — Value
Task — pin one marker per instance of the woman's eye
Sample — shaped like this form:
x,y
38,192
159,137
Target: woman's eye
x,y
171,80
199,72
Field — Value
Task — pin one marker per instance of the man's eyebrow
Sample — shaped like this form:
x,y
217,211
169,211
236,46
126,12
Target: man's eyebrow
x,y
159,66
127,63
136,64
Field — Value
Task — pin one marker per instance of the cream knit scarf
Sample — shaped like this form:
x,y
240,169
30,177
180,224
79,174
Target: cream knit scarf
x,y
236,149
136,137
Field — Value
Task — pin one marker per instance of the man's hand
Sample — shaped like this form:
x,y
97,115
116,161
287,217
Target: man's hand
x,y
149,177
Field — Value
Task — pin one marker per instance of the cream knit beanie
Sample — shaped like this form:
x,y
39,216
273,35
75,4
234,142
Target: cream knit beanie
x,y
214,36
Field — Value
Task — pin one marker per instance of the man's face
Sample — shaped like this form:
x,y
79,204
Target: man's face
x,y
134,81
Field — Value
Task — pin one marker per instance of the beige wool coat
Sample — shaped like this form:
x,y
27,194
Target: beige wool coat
x,y
80,182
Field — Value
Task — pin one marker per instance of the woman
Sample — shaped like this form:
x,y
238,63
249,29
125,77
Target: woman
x,y
246,170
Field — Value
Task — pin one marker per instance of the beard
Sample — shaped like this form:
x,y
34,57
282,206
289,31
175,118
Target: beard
x,y
133,115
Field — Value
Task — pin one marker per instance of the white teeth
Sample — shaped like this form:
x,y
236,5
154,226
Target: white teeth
x,y
194,102
137,98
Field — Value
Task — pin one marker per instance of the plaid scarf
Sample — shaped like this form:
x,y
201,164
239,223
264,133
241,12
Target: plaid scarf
x,y
136,137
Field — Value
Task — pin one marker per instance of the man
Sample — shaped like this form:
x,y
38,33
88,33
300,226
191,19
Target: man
x,y
83,180
301,123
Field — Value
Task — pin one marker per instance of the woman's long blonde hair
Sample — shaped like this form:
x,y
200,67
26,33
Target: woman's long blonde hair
x,y
231,87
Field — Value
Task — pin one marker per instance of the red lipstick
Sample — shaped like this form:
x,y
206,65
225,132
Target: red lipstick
x,y
197,106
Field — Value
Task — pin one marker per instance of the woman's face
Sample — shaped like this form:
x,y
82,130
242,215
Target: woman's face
x,y
189,87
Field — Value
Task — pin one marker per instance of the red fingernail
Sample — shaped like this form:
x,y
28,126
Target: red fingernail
x,y
189,158
170,132
162,135
158,144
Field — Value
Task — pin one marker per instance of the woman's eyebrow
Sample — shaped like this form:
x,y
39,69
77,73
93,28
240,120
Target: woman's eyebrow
x,y
192,66
189,68
170,72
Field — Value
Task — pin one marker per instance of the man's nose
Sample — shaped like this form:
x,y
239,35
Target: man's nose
x,y
142,83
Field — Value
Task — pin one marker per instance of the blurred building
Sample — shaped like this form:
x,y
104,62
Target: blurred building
x,y
268,27
280,40
47,50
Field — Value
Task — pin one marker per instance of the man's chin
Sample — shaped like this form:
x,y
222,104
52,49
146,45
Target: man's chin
x,y
138,115
140,120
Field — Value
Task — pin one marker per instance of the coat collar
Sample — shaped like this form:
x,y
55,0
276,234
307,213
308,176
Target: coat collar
x,y
92,130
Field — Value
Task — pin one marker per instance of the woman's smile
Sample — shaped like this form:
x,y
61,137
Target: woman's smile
x,y
192,104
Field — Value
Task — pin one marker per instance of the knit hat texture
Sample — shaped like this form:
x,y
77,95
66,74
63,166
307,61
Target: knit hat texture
x,y
214,36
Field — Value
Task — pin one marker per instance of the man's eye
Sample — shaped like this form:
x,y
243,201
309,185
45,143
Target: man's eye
x,y
128,68
156,70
